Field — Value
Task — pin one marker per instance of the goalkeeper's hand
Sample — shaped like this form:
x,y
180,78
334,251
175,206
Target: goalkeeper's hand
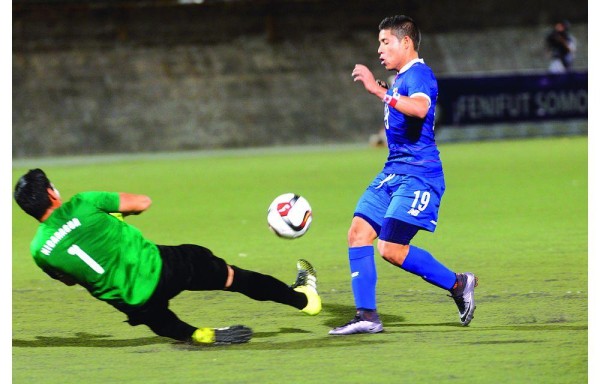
x,y
235,334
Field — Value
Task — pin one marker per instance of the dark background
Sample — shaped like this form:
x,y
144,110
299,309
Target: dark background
x,y
144,76
56,24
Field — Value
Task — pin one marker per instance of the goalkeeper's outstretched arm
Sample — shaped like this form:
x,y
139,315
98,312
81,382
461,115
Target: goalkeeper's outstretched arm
x,y
133,204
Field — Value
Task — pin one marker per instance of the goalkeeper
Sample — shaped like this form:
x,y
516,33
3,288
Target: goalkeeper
x,y
80,242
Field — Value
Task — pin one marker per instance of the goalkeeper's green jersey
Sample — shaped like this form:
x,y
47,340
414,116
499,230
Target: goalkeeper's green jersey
x,y
102,253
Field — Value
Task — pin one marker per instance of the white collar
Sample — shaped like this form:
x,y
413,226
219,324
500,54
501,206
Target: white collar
x,y
410,64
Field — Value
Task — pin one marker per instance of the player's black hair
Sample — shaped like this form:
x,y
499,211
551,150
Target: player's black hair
x,y
401,26
31,193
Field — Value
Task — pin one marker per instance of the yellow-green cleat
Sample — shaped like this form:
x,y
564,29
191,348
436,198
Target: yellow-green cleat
x,y
306,282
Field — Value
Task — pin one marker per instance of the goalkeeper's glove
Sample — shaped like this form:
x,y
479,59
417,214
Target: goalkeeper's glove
x,y
234,334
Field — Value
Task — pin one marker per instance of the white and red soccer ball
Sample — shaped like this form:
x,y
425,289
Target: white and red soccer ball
x,y
289,216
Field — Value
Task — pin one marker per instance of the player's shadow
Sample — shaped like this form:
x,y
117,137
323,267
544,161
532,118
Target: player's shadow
x,y
333,316
340,314
82,339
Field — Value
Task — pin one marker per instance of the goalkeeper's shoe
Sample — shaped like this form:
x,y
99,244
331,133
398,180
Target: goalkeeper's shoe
x,y
235,334
361,323
306,282
463,296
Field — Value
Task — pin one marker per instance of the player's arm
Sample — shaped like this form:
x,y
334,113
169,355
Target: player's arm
x,y
133,204
415,106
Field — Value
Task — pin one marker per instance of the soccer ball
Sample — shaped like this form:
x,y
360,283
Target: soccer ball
x,y
289,216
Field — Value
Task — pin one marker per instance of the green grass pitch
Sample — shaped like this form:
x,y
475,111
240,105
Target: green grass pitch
x,y
514,212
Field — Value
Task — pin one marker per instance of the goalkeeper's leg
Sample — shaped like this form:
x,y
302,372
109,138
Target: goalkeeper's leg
x,y
266,288
195,268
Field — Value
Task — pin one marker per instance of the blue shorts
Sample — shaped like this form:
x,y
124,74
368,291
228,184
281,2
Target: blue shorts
x,y
414,200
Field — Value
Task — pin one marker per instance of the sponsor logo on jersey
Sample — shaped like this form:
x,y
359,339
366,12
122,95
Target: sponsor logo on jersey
x,y
413,212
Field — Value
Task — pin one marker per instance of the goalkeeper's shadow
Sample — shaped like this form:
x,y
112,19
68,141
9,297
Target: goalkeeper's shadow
x,y
82,339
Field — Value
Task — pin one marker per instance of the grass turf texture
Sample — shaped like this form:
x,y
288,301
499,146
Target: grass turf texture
x,y
514,212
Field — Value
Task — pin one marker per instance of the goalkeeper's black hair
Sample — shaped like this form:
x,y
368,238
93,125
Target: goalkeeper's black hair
x,y
31,193
401,26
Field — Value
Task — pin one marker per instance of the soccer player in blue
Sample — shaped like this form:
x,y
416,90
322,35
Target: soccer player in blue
x,y
405,196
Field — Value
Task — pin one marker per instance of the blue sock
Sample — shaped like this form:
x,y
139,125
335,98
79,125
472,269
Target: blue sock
x,y
422,263
364,276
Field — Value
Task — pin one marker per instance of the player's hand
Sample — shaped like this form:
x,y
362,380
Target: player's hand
x,y
363,74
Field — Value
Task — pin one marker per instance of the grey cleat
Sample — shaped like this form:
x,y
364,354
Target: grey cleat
x,y
359,324
464,298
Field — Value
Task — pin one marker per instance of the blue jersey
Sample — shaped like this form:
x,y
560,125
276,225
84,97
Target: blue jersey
x,y
411,141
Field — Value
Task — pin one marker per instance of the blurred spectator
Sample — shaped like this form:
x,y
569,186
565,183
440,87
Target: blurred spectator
x,y
561,45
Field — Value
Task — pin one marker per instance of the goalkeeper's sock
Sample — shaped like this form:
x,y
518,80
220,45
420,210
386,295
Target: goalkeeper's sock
x,y
364,276
423,264
265,288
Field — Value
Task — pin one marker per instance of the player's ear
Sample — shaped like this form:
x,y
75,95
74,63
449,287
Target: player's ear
x,y
53,194
55,190
406,42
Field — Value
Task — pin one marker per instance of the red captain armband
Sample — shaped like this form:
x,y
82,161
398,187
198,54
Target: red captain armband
x,y
390,100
